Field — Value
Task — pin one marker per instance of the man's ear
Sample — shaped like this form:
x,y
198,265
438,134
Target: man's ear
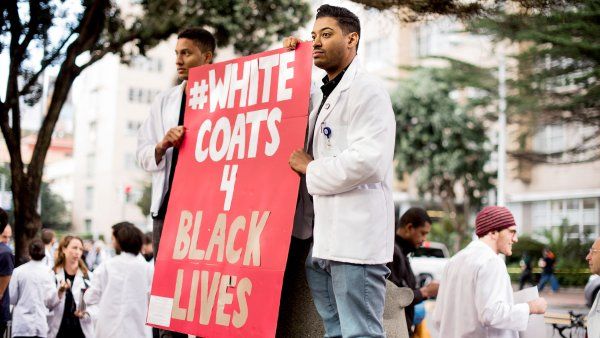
x,y
208,57
353,39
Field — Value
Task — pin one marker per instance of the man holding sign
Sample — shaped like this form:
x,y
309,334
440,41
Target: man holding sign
x,y
222,251
348,172
162,132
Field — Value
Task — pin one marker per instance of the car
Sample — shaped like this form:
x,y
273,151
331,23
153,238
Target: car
x,y
591,289
428,262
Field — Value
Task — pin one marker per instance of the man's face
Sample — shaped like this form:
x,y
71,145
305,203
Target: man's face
x,y
506,238
188,55
416,235
593,257
331,47
6,235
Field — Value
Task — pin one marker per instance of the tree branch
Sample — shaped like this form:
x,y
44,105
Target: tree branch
x,y
90,27
45,63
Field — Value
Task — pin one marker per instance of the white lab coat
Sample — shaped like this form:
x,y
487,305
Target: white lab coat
x,y
32,291
593,319
49,258
350,178
475,299
164,115
121,288
57,310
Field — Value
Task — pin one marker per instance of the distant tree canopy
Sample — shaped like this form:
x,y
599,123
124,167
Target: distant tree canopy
x,y
54,212
73,36
443,142
557,74
414,10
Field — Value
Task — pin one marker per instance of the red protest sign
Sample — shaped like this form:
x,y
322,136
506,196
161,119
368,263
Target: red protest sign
x,y
224,245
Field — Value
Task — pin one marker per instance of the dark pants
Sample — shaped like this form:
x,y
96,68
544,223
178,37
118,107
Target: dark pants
x,y
157,226
2,329
525,277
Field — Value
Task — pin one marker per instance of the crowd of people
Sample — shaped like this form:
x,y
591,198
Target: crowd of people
x,y
73,288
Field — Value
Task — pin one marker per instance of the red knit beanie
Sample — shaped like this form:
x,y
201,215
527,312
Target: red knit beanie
x,y
493,218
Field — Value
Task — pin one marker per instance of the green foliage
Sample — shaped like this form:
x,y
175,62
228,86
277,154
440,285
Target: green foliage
x,y
54,211
443,231
146,200
439,138
558,70
528,245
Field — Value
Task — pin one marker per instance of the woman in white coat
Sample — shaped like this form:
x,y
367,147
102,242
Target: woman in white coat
x,y
68,318
121,288
32,292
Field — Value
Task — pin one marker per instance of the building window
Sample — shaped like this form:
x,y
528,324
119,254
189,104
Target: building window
x,y
142,95
581,216
88,225
130,162
146,64
89,198
132,127
90,165
550,139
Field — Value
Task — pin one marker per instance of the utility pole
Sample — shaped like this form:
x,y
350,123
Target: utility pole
x,y
501,127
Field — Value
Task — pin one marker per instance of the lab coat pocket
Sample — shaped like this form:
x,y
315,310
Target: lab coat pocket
x,y
361,213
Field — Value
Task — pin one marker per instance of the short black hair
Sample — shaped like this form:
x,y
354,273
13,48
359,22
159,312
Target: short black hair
x,y
203,38
148,238
128,236
3,220
347,20
415,216
37,250
47,236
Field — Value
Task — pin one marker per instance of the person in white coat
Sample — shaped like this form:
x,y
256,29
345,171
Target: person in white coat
x,y
475,298
593,318
161,134
121,287
48,238
348,171
69,318
32,292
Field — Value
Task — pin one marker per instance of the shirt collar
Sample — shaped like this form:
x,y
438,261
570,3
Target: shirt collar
x,y
329,85
406,246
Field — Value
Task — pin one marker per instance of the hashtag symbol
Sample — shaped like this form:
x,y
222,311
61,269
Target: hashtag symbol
x,y
198,95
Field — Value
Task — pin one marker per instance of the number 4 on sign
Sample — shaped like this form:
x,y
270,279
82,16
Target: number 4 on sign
x,y
228,184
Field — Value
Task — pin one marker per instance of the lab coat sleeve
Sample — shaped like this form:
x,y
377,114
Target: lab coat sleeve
x,y
493,307
54,300
436,319
93,294
370,147
50,291
13,288
148,137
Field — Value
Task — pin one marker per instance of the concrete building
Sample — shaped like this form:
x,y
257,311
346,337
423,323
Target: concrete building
x,y
546,196
112,100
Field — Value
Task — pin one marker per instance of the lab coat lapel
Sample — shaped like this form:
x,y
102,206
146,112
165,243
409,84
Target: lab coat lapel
x,y
171,118
334,98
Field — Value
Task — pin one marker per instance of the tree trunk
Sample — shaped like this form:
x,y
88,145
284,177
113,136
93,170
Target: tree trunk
x,y
27,220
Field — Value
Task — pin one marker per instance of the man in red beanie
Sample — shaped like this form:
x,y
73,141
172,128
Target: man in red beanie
x,y
475,298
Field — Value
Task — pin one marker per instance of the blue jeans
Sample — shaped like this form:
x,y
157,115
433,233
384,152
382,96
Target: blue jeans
x,y
550,277
349,297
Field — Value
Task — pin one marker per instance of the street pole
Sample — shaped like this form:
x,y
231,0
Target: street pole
x,y
501,127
